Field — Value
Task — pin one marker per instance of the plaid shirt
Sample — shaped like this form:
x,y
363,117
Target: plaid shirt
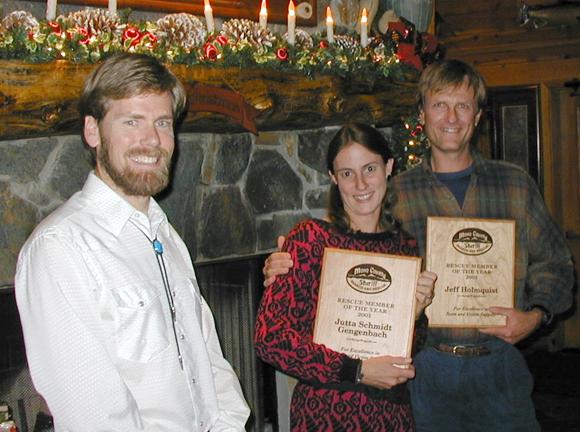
x,y
498,190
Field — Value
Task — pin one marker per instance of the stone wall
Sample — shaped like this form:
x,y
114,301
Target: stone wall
x,y
231,195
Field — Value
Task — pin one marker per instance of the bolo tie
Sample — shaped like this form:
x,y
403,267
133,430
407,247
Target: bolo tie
x,y
158,249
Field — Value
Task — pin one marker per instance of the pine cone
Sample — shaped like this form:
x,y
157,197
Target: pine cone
x,y
96,21
181,29
19,19
346,42
303,39
249,31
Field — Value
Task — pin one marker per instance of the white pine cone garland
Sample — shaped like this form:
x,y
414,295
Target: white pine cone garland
x,y
19,19
96,21
181,29
244,30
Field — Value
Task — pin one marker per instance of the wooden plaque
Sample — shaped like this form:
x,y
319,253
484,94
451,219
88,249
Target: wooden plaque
x,y
474,260
366,303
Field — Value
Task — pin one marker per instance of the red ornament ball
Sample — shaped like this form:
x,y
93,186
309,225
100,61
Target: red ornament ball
x,y
210,51
132,34
55,27
85,34
222,40
151,37
282,54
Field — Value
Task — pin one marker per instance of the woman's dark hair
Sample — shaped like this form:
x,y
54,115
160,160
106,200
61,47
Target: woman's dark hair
x,y
373,140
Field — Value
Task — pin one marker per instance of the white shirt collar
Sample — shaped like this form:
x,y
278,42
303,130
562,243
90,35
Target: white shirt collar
x,y
115,212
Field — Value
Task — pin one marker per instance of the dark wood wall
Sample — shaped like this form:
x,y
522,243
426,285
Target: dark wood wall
x,y
489,35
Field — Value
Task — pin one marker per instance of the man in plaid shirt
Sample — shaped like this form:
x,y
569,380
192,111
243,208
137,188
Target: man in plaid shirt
x,y
475,379
470,379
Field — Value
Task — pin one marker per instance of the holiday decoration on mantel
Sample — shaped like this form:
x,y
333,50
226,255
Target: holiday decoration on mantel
x,y
89,35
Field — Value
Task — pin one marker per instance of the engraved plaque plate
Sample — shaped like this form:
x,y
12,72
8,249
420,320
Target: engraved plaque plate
x,y
474,260
366,303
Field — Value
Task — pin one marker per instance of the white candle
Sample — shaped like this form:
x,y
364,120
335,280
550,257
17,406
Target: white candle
x,y
364,38
329,26
209,17
263,16
291,23
50,10
113,7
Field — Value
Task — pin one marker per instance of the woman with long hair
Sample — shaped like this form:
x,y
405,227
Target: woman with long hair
x,y
336,392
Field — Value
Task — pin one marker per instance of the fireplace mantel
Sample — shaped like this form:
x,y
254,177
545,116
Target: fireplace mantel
x,y
39,99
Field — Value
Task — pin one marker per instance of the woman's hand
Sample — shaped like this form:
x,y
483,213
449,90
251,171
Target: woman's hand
x,y
383,372
424,293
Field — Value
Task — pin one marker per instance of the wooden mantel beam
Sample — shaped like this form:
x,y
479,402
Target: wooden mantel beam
x,y
40,99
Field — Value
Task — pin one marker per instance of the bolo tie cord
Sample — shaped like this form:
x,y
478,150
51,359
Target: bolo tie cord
x,y
158,249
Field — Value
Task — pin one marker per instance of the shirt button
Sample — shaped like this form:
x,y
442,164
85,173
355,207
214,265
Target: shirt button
x,y
182,336
193,380
141,303
200,424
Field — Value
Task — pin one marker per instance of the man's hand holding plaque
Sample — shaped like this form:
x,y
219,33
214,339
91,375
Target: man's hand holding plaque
x,y
474,260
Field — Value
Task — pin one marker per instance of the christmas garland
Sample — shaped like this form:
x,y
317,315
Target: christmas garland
x,y
90,35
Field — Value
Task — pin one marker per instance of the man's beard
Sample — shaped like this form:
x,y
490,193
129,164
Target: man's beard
x,y
134,183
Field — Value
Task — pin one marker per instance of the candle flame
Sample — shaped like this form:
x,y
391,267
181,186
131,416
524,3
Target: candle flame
x,y
364,16
207,5
291,11
263,9
329,15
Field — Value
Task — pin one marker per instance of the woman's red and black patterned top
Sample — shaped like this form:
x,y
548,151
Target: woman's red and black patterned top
x,y
326,397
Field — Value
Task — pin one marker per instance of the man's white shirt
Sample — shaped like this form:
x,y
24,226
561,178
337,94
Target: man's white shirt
x,y
98,329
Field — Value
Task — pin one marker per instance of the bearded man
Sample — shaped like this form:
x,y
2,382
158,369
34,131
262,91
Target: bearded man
x,y
118,336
